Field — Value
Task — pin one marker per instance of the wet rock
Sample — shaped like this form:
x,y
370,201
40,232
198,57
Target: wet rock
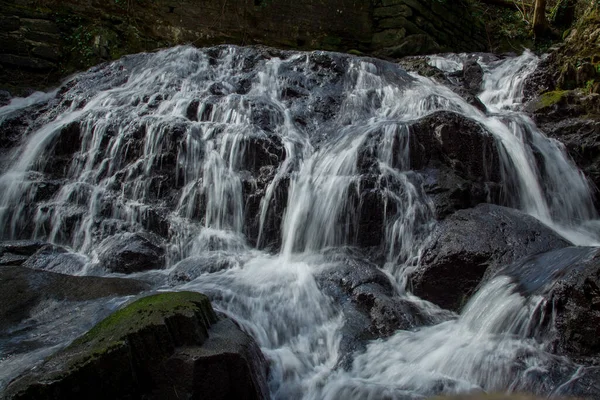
x,y
472,242
170,345
56,259
568,117
12,259
22,289
131,252
367,297
5,98
459,160
190,268
21,247
574,298
472,75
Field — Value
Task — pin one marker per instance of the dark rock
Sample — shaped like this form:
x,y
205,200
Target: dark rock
x,y
472,76
30,63
370,304
585,72
12,259
21,247
56,259
5,98
190,268
469,244
129,252
22,289
569,116
165,346
459,160
409,45
9,24
575,302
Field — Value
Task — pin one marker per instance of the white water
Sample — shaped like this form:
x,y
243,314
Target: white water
x,y
134,119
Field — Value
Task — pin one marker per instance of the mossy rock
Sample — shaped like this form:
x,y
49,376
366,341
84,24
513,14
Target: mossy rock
x,y
165,309
130,354
549,99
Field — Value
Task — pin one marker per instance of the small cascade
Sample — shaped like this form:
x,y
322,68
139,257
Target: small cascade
x,y
263,173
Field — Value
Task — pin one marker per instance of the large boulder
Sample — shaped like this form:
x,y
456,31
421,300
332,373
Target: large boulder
x,y
459,160
165,346
131,252
470,242
22,289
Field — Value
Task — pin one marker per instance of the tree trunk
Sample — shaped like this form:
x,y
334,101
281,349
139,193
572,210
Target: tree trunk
x,y
540,24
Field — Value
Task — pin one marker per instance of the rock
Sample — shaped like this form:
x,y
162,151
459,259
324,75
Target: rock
x,y
367,298
21,247
56,259
12,259
472,76
169,345
22,289
190,268
574,298
585,72
459,160
130,252
409,45
568,117
470,243
5,98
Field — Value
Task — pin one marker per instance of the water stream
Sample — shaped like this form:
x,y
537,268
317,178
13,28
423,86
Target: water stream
x,y
248,165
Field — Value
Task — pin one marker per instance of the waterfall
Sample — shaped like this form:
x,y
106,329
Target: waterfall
x,y
270,167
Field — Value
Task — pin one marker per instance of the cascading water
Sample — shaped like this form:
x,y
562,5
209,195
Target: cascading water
x,y
266,170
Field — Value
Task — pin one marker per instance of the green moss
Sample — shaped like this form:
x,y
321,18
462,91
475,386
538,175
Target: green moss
x,y
152,310
356,52
550,98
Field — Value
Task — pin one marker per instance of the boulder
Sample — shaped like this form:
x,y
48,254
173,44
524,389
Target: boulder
x,y
22,289
459,160
164,346
131,252
470,243
472,75
369,302
573,297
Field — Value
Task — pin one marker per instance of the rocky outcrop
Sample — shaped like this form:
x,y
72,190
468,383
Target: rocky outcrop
x,y
473,242
22,289
165,346
41,44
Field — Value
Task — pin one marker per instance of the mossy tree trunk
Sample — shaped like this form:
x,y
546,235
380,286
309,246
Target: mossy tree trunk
x,y
540,23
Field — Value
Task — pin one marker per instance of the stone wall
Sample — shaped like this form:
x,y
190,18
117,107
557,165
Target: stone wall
x,y
410,27
44,40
